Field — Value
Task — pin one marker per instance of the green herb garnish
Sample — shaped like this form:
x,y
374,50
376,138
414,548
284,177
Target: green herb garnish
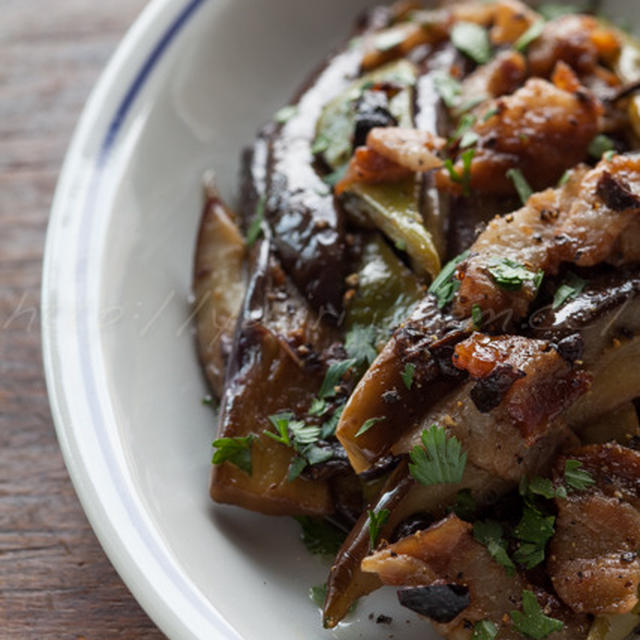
x,y
463,178
465,505
319,536
565,178
285,114
531,621
484,630
448,88
520,183
512,275
333,376
575,477
531,34
318,407
440,460
407,374
445,285
571,287
297,465
490,534
477,316
600,145
367,424
235,450
255,227
494,111
376,522
329,427
534,531
472,40
360,344
608,155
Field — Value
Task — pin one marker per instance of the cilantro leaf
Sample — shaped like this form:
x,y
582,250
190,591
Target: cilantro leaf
x,y
600,145
407,374
255,227
571,287
376,522
534,531
329,427
235,450
465,505
359,344
520,183
333,376
476,316
448,88
280,421
531,34
319,536
489,533
494,111
367,424
302,433
445,285
575,477
472,40
463,178
440,460
318,407
531,621
511,275
484,630
286,113
296,467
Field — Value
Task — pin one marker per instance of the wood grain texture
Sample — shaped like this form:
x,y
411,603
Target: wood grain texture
x,y
55,581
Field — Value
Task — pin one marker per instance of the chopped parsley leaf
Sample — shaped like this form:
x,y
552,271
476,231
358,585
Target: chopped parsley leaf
x,y
476,316
468,139
575,477
367,424
319,536
531,621
333,376
494,111
534,531
531,34
607,155
440,460
472,40
520,183
281,421
285,114
445,285
329,427
512,275
376,522
296,467
448,88
490,534
484,630
600,145
359,344
465,505
571,287
407,374
255,227
318,407
463,178
235,450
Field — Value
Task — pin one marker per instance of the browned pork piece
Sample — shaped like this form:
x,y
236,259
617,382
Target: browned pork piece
x,y
452,579
593,560
539,120
218,284
582,222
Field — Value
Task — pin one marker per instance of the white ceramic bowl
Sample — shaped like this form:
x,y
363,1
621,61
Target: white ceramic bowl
x,y
186,90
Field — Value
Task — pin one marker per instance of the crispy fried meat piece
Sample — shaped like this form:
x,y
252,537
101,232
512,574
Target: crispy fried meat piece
x,y
593,561
583,222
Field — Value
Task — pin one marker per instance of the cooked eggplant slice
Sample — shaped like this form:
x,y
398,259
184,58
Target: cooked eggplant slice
x,y
218,284
276,366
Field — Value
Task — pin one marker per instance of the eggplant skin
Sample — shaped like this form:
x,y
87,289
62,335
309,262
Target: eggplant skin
x,y
218,284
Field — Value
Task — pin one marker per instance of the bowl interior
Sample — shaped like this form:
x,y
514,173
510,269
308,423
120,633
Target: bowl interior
x,y
224,72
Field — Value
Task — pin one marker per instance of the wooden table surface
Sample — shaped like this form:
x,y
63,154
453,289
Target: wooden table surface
x,y
55,581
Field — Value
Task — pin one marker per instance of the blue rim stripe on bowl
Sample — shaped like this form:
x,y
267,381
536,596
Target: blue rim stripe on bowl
x,y
84,326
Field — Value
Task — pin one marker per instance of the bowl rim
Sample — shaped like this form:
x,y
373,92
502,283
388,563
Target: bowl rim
x,y
70,352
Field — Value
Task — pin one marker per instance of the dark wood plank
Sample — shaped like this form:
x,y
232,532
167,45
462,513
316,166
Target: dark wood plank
x,y
55,581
